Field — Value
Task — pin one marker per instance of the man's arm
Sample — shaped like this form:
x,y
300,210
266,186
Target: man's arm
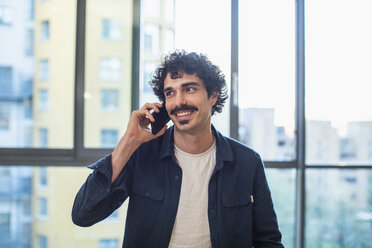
x,y
136,134
265,224
106,187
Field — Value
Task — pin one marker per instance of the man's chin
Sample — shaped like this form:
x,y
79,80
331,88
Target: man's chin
x,y
184,122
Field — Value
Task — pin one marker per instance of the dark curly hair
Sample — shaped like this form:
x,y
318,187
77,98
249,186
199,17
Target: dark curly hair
x,y
180,62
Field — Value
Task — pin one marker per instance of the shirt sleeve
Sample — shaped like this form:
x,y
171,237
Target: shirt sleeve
x,y
98,197
265,225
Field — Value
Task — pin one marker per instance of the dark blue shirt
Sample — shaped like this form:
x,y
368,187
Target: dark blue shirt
x,y
240,208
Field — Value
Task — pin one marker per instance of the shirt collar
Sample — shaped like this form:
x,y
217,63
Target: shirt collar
x,y
224,151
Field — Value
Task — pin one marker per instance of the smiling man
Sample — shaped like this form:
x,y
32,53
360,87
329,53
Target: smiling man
x,y
188,185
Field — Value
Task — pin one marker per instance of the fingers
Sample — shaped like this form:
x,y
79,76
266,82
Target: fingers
x,y
145,110
161,132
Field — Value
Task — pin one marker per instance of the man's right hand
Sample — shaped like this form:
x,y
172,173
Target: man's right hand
x,y
137,133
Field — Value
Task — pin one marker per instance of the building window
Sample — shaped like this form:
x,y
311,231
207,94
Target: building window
x,y
4,116
44,70
112,29
43,207
108,243
6,15
6,79
29,43
152,39
44,176
43,137
43,100
110,69
110,99
4,225
45,30
109,138
30,10
43,241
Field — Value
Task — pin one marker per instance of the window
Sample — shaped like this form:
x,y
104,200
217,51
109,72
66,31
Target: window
x,y
110,69
4,116
44,176
109,138
43,241
6,80
108,243
112,29
43,207
109,99
43,100
44,70
43,137
30,9
262,111
152,39
4,225
29,42
45,31
6,15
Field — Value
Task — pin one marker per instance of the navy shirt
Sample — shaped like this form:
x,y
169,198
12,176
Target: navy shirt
x,y
240,208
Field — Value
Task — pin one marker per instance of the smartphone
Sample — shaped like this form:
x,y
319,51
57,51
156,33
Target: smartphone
x,y
161,119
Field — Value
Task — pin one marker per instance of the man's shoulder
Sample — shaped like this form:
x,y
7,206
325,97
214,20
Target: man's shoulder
x,y
240,149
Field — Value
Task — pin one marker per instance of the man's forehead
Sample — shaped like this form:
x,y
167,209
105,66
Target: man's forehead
x,y
186,78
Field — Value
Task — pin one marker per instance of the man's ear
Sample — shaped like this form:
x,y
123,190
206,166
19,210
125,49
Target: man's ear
x,y
214,97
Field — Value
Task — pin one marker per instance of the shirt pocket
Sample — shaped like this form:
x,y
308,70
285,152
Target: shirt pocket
x,y
237,212
145,206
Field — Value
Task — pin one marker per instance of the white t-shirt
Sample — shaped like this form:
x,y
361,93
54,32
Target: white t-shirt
x,y
191,227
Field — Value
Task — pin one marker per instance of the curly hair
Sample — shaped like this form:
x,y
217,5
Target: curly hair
x,y
180,62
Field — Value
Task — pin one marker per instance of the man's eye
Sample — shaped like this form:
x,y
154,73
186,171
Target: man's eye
x,y
168,93
190,89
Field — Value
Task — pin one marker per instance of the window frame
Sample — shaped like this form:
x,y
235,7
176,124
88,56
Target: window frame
x,y
78,155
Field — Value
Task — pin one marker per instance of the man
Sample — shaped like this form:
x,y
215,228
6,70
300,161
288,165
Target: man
x,y
189,186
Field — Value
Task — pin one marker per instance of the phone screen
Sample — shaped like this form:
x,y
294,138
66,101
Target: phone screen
x,y
161,119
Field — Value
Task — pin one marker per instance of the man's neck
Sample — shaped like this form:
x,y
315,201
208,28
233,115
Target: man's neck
x,y
194,143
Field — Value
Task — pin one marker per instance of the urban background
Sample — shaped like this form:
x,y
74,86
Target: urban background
x,y
37,63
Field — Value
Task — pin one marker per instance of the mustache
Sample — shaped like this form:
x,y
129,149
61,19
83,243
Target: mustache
x,y
183,107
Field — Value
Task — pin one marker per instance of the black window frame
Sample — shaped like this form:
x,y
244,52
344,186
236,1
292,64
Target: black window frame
x,y
81,156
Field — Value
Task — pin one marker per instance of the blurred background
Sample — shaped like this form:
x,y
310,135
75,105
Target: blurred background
x,y
71,72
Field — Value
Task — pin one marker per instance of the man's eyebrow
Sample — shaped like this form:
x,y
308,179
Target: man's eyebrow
x,y
184,85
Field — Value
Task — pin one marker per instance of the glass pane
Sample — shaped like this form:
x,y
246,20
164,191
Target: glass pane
x,y
282,184
36,78
35,210
338,79
267,77
108,68
174,29
338,208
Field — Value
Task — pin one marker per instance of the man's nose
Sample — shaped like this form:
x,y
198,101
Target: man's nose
x,y
180,99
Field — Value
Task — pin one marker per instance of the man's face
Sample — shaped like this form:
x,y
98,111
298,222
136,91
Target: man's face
x,y
187,102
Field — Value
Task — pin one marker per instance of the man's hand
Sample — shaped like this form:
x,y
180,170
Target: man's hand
x,y
137,133
139,122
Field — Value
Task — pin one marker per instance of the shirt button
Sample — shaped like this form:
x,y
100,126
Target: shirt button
x,y
176,178
212,210
147,194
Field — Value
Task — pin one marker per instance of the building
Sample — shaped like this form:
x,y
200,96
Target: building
x,y
108,68
16,75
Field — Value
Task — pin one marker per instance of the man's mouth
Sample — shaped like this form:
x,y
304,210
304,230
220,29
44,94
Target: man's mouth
x,y
183,113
